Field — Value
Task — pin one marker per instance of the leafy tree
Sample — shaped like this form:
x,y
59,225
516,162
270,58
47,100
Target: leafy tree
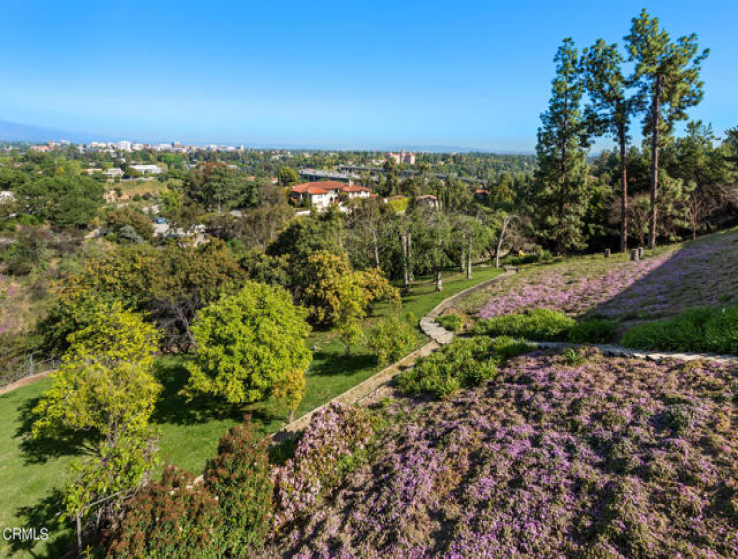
x,y
247,344
169,285
287,176
105,383
119,218
561,180
392,338
218,187
302,238
105,386
667,77
609,111
65,201
432,239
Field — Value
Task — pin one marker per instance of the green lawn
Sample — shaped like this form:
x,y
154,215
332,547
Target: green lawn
x,y
30,473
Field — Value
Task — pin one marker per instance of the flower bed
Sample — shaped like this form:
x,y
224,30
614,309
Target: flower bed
x,y
702,273
557,457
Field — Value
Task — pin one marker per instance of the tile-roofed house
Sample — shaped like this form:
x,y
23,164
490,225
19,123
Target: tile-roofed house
x,y
324,193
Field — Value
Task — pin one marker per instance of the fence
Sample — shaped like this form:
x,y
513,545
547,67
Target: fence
x,y
27,366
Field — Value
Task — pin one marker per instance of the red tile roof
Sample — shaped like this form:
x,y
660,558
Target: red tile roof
x,y
327,186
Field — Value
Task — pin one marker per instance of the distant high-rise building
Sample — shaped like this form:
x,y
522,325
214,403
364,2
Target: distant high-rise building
x,y
124,145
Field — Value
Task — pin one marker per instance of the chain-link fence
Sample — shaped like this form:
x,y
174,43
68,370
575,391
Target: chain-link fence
x,y
27,366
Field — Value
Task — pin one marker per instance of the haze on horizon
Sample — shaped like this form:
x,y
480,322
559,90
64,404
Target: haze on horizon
x,y
321,75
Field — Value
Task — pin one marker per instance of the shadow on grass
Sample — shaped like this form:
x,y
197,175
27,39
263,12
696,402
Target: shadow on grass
x,y
174,408
46,513
327,363
41,449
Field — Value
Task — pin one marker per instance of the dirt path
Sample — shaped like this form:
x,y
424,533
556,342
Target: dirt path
x,y
23,382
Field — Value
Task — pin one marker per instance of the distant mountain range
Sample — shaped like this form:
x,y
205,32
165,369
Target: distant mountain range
x,y
16,132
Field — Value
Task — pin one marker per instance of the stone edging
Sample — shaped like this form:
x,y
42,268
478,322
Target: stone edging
x,y
620,351
438,333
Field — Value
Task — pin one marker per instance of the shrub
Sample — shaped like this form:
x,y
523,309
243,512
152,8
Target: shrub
x,y
535,324
693,330
391,339
334,434
538,255
170,518
240,477
452,322
466,362
595,331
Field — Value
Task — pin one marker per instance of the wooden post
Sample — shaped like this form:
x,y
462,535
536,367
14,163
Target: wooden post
x,y
640,252
607,253
634,255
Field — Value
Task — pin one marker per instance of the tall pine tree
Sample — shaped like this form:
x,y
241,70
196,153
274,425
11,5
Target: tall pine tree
x,y
667,77
609,111
561,180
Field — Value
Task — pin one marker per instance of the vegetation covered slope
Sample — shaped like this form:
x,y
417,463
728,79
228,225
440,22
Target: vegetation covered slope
x,y
561,455
665,282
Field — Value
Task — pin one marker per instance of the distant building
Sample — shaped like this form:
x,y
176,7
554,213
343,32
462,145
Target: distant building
x,y
427,200
147,169
481,194
402,157
114,173
40,149
322,194
123,145
6,196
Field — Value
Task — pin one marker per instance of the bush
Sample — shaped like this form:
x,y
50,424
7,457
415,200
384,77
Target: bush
x,y
464,363
170,518
240,477
452,322
536,324
698,329
330,443
392,338
538,255
593,331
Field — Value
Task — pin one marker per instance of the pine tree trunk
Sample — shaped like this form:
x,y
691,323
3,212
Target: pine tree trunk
x,y
404,238
469,259
624,194
654,164
376,248
410,257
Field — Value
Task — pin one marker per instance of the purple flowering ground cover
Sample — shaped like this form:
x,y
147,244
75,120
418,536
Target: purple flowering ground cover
x,y
699,273
558,457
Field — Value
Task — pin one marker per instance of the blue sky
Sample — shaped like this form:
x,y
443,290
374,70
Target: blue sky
x,y
319,74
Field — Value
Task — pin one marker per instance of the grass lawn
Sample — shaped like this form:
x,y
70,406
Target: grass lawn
x,y
30,474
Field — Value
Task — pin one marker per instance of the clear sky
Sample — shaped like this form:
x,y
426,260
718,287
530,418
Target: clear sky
x,y
319,74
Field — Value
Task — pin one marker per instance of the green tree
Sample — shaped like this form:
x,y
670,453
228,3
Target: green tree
x,y
609,111
561,180
667,77
287,176
65,201
105,387
105,383
247,344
